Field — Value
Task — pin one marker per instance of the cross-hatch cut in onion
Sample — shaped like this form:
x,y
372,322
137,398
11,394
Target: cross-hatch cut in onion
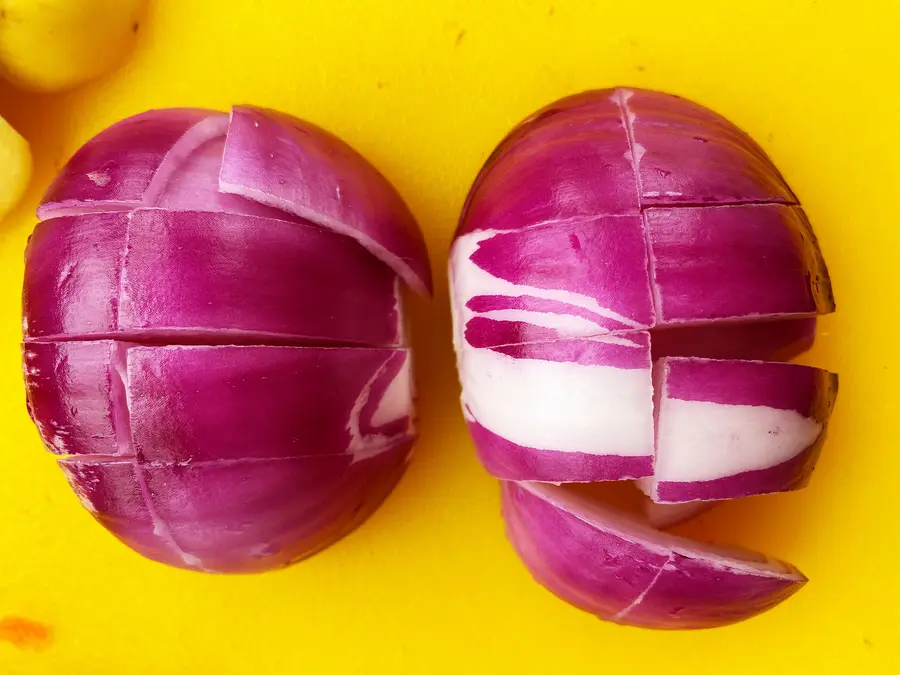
x,y
629,275
214,336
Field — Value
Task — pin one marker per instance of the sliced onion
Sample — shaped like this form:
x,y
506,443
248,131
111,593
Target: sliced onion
x,y
294,166
581,278
621,217
270,280
224,379
621,570
238,516
127,164
199,403
573,167
565,410
687,154
728,429
202,403
735,262
76,397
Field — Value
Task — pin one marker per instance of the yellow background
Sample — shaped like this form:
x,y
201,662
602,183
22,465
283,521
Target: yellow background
x,y
429,585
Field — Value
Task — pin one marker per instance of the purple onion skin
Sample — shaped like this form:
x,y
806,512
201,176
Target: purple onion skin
x,y
501,457
115,169
629,573
270,160
620,212
225,381
714,263
273,281
297,167
244,516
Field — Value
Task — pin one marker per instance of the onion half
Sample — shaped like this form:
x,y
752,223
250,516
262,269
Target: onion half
x,y
214,335
628,273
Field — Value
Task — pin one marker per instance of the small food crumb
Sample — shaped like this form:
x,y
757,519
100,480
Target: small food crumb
x,y
24,633
99,178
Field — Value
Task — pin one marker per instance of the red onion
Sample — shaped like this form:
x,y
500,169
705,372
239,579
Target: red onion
x,y
627,266
214,339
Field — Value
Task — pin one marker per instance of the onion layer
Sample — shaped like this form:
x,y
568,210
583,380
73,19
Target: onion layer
x,y
621,570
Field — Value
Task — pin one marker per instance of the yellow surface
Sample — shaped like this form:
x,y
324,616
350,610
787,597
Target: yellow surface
x,y
15,167
429,585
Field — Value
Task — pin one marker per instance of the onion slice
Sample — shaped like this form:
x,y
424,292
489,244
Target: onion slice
x,y
736,262
198,403
238,516
128,163
621,570
227,277
624,216
201,403
573,167
729,429
566,410
687,154
76,396
299,168
255,162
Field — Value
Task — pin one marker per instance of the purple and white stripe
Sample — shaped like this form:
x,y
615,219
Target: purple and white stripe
x,y
729,429
577,409
628,216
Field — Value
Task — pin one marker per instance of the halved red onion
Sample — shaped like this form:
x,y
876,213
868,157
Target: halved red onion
x,y
621,570
728,429
621,217
225,380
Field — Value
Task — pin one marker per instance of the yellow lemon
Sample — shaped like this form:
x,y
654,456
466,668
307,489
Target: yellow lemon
x,y
54,45
15,167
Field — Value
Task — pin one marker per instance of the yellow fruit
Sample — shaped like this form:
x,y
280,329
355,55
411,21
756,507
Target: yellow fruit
x,y
54,45
15,167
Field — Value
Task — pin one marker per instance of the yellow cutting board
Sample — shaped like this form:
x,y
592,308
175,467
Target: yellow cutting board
x,y
429,584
